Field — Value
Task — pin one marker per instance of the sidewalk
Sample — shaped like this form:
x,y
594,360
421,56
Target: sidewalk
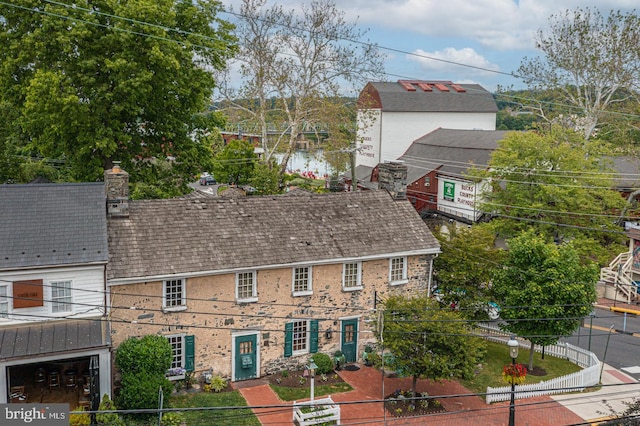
x,y
618,388
368,384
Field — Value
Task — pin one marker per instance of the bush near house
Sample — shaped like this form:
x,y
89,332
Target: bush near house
x,y
143,364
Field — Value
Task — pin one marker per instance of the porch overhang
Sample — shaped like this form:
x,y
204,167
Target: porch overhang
x,y
45,339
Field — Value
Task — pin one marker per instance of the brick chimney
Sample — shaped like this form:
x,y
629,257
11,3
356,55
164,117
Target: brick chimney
x,y
392,176
116,186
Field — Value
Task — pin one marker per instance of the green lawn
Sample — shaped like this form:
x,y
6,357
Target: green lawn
x,y
243,416
295,394
497,356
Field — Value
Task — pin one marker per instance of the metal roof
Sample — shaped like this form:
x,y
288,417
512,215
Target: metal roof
x,y
49,338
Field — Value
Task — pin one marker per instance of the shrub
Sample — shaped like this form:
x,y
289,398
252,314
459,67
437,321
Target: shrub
x,y
374,359
324,363
151,354
79,418
172,418
110,419
285,373
217,384
141,391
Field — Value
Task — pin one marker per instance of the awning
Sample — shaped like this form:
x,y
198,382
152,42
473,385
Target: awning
x,y
53,337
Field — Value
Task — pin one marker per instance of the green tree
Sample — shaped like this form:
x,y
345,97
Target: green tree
x,y
90,82
590,59
462,272
295,68
235,163
266,179
428,342
555,184
544,290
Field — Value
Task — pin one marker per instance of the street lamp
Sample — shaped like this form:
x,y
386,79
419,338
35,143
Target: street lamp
x,y
513,352
312,372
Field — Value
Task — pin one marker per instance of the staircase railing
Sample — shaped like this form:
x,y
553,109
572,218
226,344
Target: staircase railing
x,y
619,273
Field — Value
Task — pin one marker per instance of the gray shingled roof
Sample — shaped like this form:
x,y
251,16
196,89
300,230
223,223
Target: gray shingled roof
x,y
52,225
455,150
627,169
163,237
395,98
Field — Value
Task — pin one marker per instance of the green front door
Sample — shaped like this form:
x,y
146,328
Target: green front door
x,y
246,350
350,339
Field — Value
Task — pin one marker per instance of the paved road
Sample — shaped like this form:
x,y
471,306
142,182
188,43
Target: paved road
x,y
620,347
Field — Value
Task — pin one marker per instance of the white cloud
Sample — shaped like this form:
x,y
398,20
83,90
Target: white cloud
x,y
448,60
496,24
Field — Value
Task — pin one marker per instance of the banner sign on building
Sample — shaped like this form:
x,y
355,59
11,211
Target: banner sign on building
x,y
27,294
449,191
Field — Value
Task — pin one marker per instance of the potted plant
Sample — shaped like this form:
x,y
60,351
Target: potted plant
x,y
365,355
338,359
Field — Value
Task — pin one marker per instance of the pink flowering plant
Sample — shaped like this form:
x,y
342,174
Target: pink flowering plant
x,y
514,373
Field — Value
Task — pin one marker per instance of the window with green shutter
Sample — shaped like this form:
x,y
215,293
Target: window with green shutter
x,y
288,339
189,353
300,336
313,336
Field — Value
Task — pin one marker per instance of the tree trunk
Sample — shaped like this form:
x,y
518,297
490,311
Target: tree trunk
x,y
531,357
414,385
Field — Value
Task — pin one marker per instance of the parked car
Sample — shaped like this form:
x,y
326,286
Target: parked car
x,y
207,180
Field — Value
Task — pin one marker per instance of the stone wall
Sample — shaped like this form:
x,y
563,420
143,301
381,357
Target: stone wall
x,y
213,316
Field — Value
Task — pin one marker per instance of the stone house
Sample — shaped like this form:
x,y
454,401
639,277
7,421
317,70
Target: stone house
x,y
243,287
54,336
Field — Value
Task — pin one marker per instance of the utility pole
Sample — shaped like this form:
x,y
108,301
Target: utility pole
x,y
354,181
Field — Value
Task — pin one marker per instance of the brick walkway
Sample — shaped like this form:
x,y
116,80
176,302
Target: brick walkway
x,y
368,383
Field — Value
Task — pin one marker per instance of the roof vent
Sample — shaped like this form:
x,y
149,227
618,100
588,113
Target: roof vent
x,y
458,88
441,87
408,86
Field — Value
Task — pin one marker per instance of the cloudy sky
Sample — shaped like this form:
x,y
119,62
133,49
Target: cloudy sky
x,y
426,39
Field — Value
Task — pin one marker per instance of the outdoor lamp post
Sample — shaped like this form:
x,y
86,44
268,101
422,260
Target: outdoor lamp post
x,y
312,372
513,352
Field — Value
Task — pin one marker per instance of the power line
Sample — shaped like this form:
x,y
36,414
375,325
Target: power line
x,y
183,32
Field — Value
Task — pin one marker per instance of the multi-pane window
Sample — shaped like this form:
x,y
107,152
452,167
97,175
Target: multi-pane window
x,y
4,302
246,347
174,293
61,296
182,355
246,286
398,270
352,276
300,336
177,351
302,281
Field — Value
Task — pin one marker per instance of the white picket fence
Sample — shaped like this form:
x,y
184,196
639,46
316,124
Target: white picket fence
x,y
588,376
325,411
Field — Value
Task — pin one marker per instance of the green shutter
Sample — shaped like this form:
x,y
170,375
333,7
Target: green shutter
x,y
313,336
189,352
288,339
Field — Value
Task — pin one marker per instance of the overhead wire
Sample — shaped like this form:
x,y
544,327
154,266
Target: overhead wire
x,y
183,32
